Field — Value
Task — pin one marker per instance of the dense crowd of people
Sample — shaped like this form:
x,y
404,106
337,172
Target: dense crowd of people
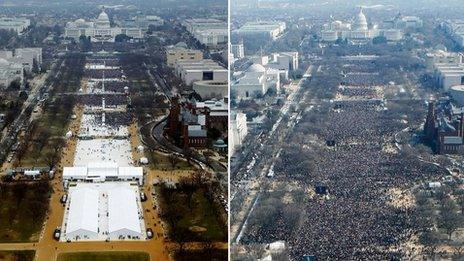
x,y
96,99
355,220
118,118
114,86
356,92
363,79
101,61
103,73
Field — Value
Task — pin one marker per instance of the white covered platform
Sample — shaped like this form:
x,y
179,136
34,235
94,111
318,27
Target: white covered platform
x,y
103,211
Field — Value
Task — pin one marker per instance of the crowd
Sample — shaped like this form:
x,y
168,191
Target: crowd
x,y
355,221
104,73
107,61
363,79
118,119
114,86
100,125
96,99
357,92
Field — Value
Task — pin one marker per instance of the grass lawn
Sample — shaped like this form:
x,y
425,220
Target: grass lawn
x,y
203,215
199,255
22,211
56,126
26,255
104,256
161,162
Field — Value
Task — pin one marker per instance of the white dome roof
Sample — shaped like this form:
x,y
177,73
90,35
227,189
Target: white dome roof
x,y
80,21
103,21
361,22
103,16
256,68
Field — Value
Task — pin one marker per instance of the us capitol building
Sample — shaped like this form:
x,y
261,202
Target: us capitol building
x,y
100,30
358,31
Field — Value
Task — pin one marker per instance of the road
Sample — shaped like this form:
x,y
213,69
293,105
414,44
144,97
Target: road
x,y
256,169
10,136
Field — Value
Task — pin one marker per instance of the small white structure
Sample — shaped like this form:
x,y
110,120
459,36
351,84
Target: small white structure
x,y
143,160
433,185
277,247
140,148
32,173
69,134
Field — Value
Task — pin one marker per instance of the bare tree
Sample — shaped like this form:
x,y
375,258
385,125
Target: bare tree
x,y
19,192
174,160
431,240
181,237
58,144
188,154
188,187
43,138
199,177
208,247
52,159
458,250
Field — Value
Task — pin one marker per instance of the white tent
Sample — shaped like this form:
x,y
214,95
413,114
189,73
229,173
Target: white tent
x,y
103,171
124,217
69,134
434,184
143,160
277,246
82,220
32,173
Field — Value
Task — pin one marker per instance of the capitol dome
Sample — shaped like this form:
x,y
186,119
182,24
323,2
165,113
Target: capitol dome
x,y
256,68
103,21
361,22
103,16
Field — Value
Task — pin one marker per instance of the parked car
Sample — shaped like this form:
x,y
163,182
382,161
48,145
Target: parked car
x,y
143,197
64,198
149,233
57,233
